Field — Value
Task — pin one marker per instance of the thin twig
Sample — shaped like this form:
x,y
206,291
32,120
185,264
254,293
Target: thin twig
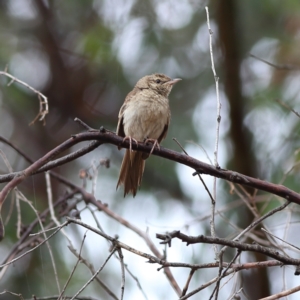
x,y
219,105
184,290
74,268
276,66
203,149
282,294
259,220
37,246
199,176
21,244
96,274
234,296
23,198
84,125
288,107
216,289
276,237
11,293
137,282
223,274
213,203
202,287
121,258
44,107
93,271
50,204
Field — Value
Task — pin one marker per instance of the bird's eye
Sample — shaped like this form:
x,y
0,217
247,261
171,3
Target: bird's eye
x,y
158,81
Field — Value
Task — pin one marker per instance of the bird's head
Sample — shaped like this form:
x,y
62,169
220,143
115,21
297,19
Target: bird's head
x,y
159,83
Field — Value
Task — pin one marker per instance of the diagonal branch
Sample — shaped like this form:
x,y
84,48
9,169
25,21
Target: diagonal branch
x,y
104,136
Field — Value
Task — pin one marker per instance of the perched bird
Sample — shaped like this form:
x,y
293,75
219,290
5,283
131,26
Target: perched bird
x,y
144,116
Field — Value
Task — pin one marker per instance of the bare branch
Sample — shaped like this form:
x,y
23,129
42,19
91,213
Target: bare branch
x,y
232,244
214,197
282,294
44,107
111,138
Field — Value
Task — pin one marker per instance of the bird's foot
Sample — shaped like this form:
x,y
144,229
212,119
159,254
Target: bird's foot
x,y
155,144
130,142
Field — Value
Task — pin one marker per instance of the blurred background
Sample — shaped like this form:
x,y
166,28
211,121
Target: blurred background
x,y
85,56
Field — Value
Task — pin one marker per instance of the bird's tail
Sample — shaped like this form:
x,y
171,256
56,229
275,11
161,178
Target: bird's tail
x,y
131,172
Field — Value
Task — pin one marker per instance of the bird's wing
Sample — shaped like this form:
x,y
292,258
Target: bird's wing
x,y
164,133
165,130
120,127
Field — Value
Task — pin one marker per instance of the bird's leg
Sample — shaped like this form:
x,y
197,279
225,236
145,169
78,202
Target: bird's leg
x,y
130,142
155,144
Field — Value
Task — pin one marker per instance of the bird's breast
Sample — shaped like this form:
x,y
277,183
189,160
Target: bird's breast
x,y
146,118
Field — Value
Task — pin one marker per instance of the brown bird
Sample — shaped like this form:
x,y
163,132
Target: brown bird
x,y
144,116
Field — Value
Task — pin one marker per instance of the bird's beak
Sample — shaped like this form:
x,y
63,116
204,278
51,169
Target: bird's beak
x,y
173,81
